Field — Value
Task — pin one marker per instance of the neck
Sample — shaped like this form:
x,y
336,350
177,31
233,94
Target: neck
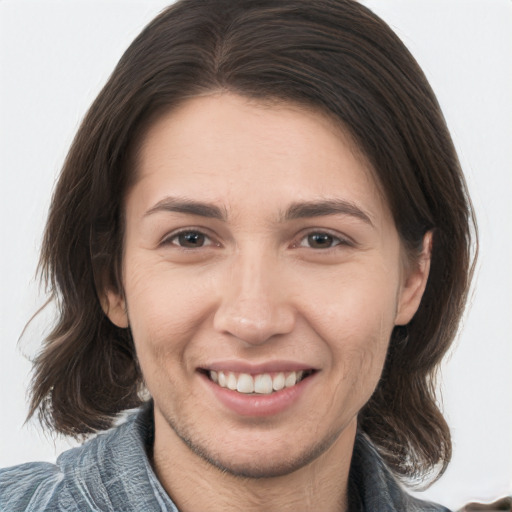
x,y
195,484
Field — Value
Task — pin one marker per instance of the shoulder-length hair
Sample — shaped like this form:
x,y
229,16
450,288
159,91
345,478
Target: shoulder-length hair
x,y
335,56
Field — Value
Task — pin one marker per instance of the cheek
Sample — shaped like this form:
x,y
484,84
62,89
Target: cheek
x,y
353,306
165,308
355,324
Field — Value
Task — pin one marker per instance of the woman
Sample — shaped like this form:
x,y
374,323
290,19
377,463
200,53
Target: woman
x,y
262,222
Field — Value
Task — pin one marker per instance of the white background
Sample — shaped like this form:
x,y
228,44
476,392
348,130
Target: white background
x,y
55,56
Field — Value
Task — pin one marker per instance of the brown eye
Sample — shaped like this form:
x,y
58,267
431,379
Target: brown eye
x,y
321,241
190,239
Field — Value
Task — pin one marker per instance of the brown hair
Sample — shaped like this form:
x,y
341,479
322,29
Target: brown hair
x,y
332,55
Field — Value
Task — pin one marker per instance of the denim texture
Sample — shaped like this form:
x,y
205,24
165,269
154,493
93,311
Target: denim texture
x,y
112,473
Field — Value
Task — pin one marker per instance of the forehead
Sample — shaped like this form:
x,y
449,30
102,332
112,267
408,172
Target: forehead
x,y
229,148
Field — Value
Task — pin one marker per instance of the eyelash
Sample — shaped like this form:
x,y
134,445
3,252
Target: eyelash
x,y
169,240
336,239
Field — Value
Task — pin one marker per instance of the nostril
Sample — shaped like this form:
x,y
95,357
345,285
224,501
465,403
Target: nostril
x,y
254,323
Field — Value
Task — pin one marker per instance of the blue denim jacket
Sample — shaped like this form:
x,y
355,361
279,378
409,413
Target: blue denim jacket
x,y
112,473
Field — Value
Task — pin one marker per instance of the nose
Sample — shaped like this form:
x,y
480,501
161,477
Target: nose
x,y
255,303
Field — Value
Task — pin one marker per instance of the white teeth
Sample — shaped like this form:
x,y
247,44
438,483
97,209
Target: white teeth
x,y
278,382
262,383
245,383
290,380
232,381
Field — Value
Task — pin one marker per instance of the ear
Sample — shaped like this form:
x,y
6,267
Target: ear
x,y
414,284
114,306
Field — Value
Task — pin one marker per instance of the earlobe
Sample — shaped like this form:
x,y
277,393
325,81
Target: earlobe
x,y
114,306
415,283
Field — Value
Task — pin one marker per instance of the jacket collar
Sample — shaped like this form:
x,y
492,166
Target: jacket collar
x,y
113,472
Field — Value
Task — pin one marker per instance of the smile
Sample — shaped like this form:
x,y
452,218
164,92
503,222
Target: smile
x,y
262,383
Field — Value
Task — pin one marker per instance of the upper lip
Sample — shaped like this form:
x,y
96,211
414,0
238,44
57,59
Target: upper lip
x,y
238,366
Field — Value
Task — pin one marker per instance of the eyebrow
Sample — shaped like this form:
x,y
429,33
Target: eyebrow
x,y
298,210
301,210
187,206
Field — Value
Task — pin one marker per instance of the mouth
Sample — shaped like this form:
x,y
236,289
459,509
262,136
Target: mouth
x,y
257,384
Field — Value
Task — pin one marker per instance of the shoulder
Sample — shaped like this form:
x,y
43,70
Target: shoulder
x,y
32,487
71,484
376,485
38,486
110,472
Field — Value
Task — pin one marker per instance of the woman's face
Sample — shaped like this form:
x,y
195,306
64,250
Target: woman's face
x,y
260,256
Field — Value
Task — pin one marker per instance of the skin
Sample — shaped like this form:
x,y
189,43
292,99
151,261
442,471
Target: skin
x,y
257,287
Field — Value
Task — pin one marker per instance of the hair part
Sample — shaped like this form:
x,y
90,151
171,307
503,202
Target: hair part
x,y
334,56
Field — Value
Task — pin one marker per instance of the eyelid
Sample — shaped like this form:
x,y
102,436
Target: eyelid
x,y
169,237
342,239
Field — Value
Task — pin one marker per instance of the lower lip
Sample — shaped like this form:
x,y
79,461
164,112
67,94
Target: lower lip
x,y
259,405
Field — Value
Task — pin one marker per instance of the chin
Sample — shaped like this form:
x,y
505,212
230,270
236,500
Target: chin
x,y
259,458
